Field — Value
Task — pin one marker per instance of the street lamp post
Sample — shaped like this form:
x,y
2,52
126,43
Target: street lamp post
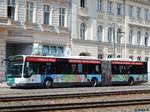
x,y
114,46
119,32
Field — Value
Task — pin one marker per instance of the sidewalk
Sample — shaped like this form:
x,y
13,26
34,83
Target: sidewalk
x,y
3,85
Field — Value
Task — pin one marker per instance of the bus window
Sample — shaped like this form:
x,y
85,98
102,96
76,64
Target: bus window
x,y
86,69
119,69
114,69
97,69
93,69
49,68
59,68
62,67
73,68
80,68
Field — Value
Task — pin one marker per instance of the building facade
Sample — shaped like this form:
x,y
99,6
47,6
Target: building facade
x,y
101,28
111,28
34,27
99,24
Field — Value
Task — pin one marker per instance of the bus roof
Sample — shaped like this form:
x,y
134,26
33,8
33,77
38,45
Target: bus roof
x,y
70,59
121,59
62,57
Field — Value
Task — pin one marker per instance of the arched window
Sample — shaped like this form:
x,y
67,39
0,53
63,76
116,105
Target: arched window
x,y
82,3
99,33
139,58
146,39
131,57
119,56
138,38
110,56
130,36
82,31
110,34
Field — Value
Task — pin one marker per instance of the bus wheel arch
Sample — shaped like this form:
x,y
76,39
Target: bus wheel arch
x,y
94,82
131,81
48,82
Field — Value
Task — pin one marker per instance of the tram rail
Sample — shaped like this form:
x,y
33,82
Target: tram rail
x,y
69,106
72,95
13,102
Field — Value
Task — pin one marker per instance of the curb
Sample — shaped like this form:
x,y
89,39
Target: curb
x,y
4,85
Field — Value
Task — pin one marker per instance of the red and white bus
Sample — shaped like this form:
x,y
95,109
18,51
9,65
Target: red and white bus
x,y
23,70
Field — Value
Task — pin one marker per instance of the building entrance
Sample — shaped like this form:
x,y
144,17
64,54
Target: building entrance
x,y
18,48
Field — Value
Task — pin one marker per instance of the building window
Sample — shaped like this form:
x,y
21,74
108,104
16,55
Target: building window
x,y
119,56
60,51
138,12
110,56
130,11
110,30
46,14
52,50
99,33
119,9
45,50
139,58
130,36
99,5
82,31
146,59
82,3
100,56
146,39
29,12
11,4
146,14
118,36
61,17
131,57
109,6
138,38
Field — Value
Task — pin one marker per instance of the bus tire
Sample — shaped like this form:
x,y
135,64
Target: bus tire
x,y
131,81
94,82
48,83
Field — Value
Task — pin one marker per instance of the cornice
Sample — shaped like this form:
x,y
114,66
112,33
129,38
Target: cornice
x,y
145,2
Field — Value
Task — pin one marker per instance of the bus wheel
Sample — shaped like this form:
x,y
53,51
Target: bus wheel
x,y
48,83
131,81
94,82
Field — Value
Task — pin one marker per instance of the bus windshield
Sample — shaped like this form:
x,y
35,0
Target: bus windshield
x,y
14,66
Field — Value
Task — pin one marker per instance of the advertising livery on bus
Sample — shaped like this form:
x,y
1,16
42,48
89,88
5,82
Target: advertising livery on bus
x,y
23,70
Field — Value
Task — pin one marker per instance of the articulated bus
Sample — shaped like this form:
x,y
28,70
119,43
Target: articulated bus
x,y
48,71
